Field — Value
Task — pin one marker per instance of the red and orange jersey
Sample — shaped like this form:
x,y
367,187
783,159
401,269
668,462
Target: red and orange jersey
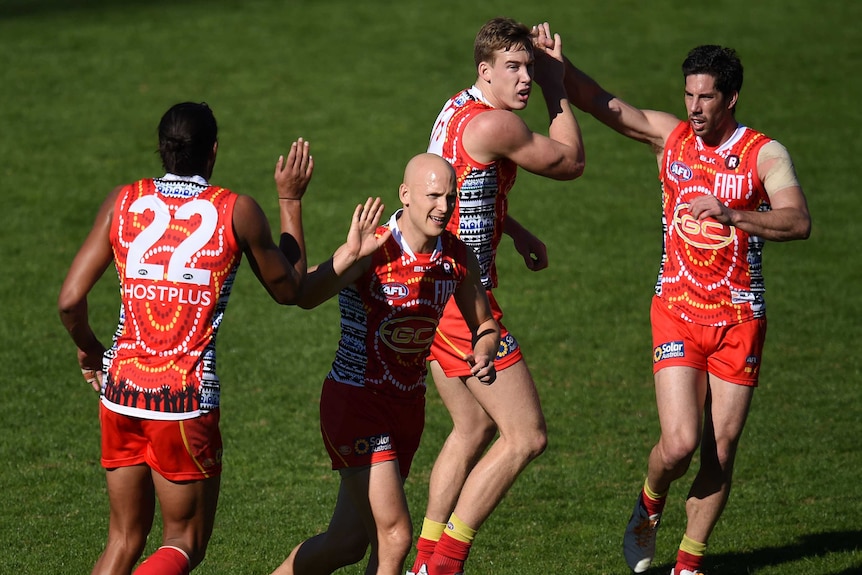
x,y
390,314
176,256
710,272
482,204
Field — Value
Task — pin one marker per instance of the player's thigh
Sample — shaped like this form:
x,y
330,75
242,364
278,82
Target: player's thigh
x,y
188,508
680,393
463,406
728,409
376,493
512,401
132,499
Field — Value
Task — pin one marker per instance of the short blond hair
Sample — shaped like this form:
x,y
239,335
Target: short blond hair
x,y
500,34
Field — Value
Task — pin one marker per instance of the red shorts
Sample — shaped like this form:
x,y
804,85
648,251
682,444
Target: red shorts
x,y
184,450
454,341
731,352
361,427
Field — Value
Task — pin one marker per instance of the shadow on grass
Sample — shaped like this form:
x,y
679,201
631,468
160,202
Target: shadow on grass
x,y
806,547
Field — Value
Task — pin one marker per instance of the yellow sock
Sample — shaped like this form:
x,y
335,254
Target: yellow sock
x,y
432,530
457,529
652,494
692,547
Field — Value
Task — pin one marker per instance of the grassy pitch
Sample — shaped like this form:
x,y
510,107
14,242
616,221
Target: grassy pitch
x,y
82,86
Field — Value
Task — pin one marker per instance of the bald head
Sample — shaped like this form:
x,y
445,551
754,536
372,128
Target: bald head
x,y
427,197
429,170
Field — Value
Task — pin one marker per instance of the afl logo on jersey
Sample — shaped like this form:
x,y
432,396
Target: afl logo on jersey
x,y
394,290
705,234
408,334
682,172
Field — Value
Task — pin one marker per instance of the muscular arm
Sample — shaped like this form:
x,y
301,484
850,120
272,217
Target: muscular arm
x,y
472,300
503,134
89,264
788,218
647,126
281,269
349,261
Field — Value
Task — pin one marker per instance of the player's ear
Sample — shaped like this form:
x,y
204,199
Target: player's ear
x,y
404,194
732,101
484,71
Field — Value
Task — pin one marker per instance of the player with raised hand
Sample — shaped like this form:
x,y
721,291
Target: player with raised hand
x,y
393,283
176,242
725,189
479,133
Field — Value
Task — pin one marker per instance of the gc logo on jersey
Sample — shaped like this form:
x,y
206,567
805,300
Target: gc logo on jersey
x,y
408,334
669,350
705,234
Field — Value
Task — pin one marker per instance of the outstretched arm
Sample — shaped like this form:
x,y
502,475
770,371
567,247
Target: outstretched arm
x,y
472,300
350,260
281,269
89,264
647,126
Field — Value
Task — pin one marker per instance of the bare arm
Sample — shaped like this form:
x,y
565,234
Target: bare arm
x,y
503,134
472,300
647,126
531,248
89,264
788,218
350,260
281,269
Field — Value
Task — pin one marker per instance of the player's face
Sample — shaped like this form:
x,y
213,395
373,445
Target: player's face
x,y
709,111
429,205
510,78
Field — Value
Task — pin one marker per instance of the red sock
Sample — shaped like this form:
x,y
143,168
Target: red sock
x,y
424,550
687,561
449,556
165,561
652,506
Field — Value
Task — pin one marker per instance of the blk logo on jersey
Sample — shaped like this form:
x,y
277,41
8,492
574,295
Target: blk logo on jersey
x,y
669,350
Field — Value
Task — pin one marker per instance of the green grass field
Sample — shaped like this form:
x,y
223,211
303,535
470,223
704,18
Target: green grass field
x,y
82,86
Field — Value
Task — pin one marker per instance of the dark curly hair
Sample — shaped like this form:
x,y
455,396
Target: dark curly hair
x,y
721,63
187,133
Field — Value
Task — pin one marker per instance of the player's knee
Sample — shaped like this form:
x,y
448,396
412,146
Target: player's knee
x,y
528,446
677,450
349,548
397,538
129,546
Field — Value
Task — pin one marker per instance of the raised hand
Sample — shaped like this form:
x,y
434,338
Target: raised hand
x,y
361,240
293,174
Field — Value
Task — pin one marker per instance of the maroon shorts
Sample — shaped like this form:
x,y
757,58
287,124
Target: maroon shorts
x,y
731,352
454,342
183,450
361,427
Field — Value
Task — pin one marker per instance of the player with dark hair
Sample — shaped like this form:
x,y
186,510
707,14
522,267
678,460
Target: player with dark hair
x,y
392,284
479,133
725,189
177,242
